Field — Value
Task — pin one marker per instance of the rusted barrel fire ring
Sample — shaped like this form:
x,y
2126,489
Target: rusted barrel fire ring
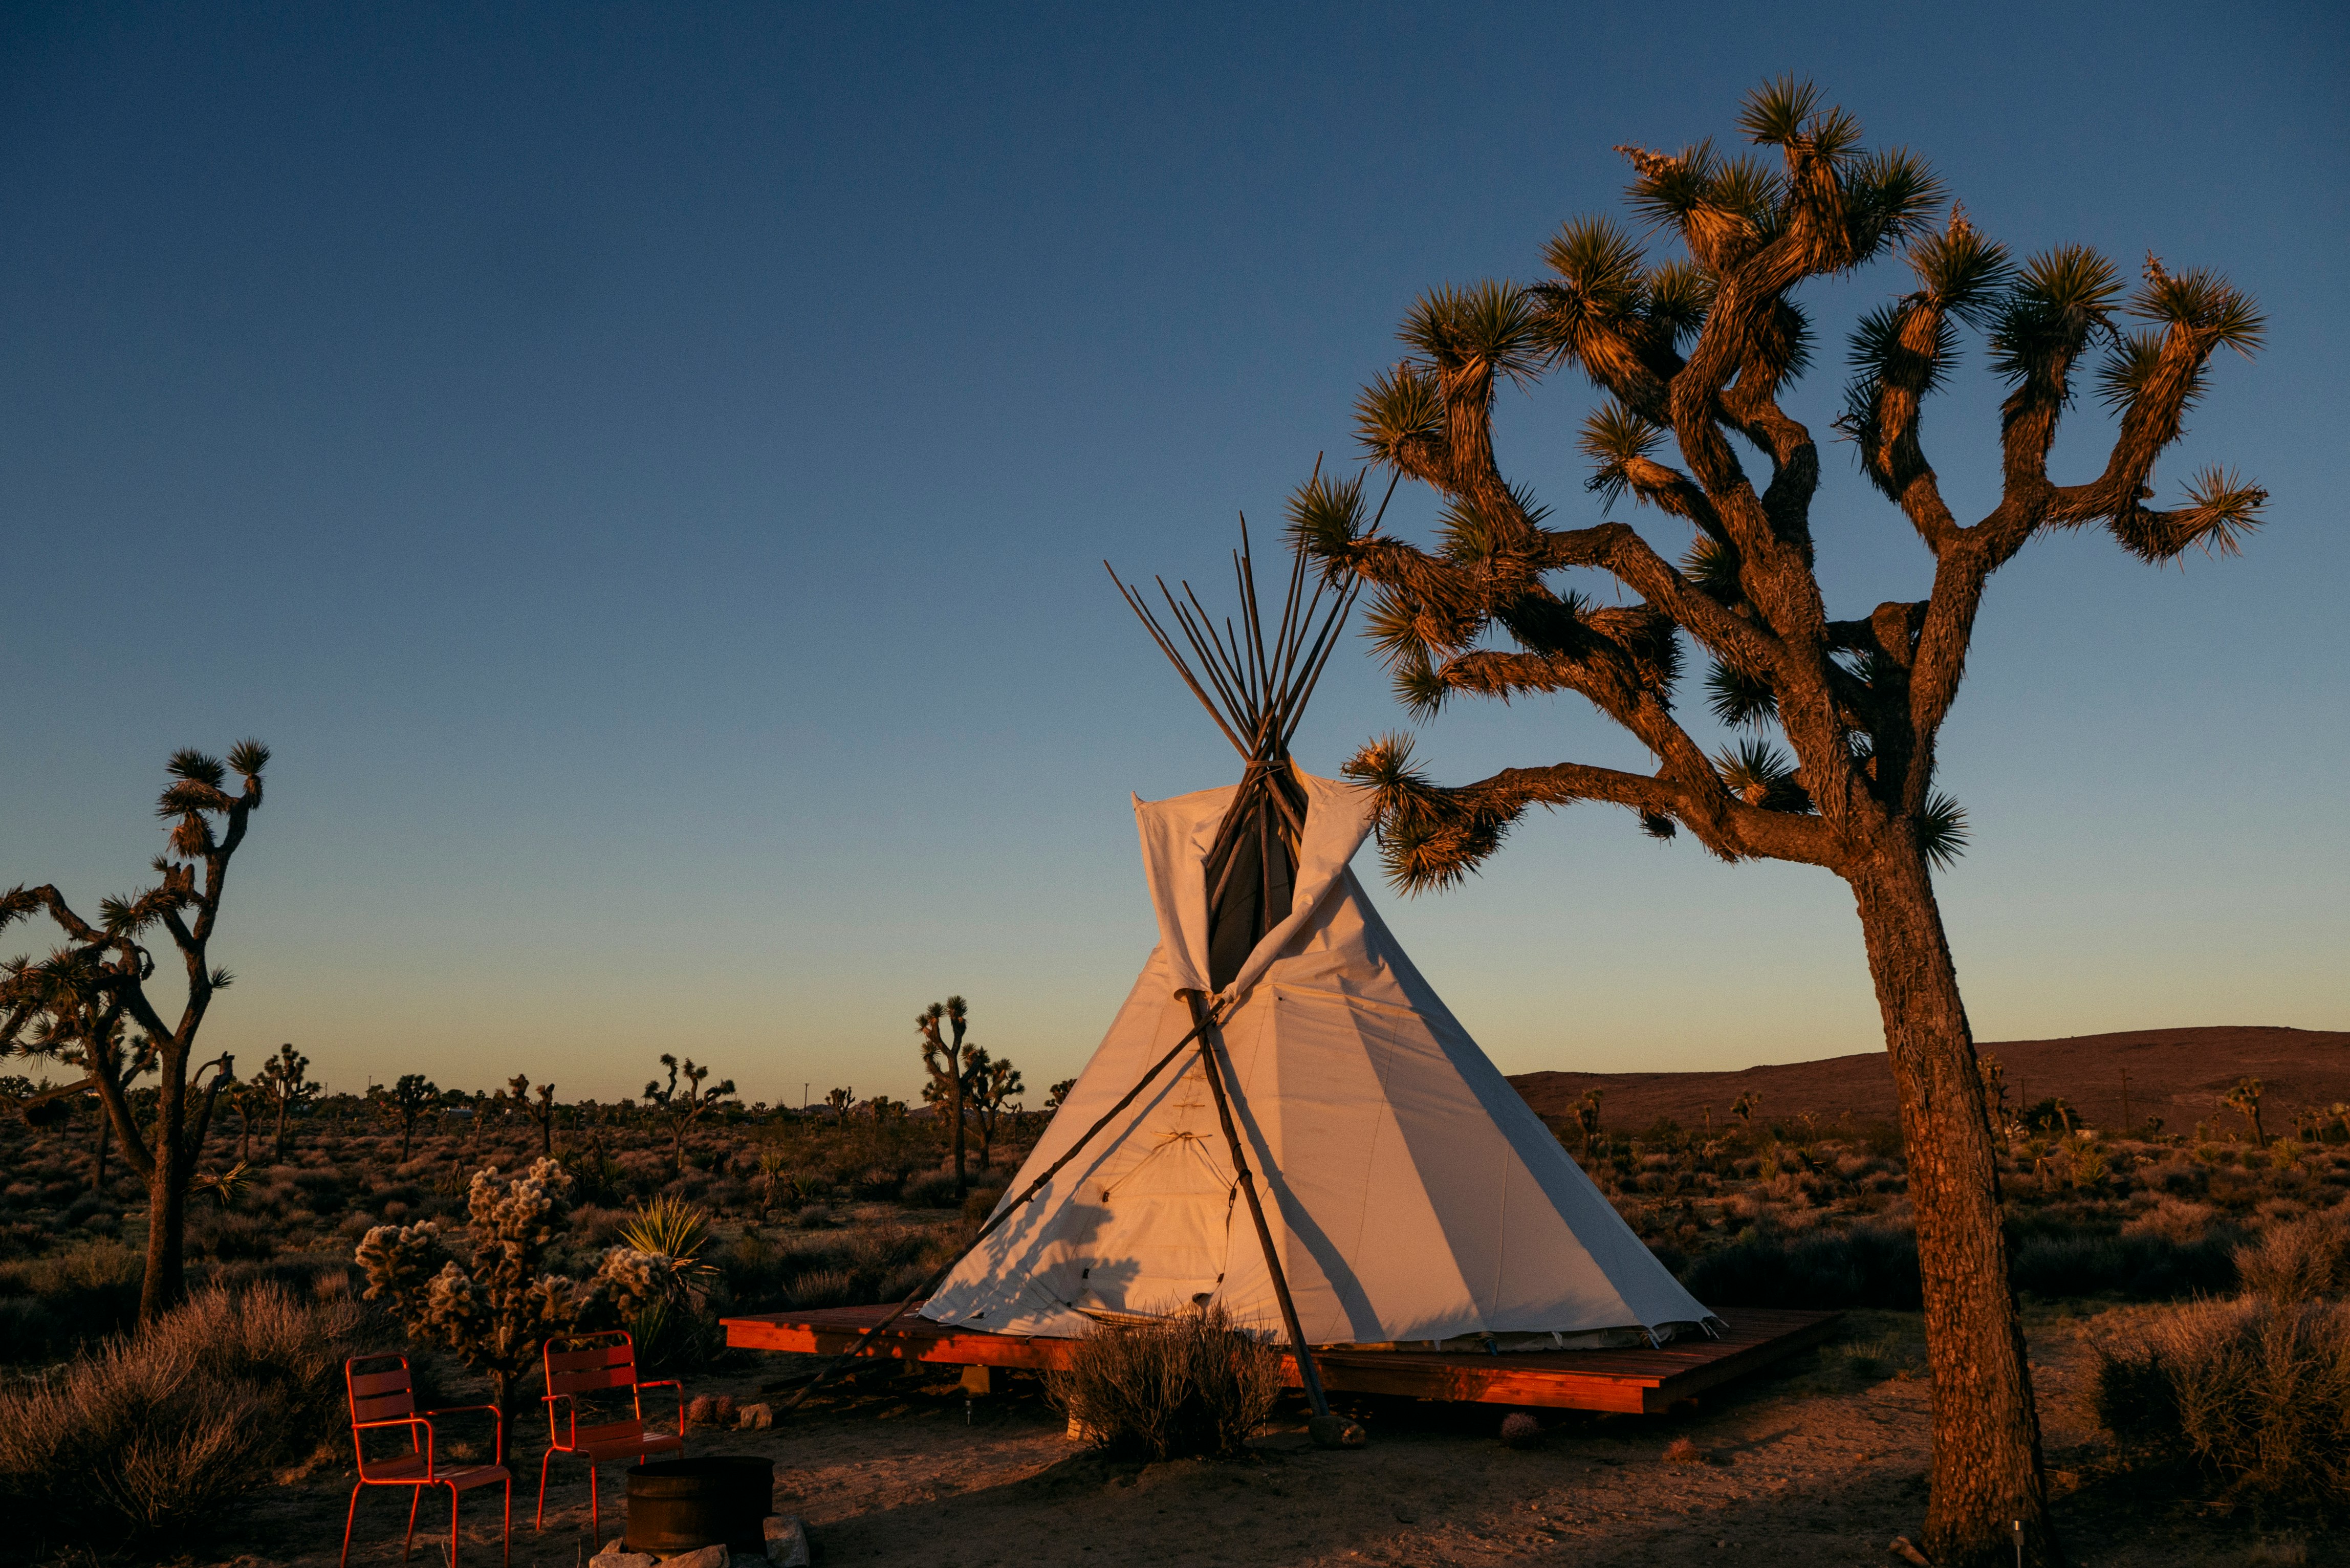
x,y
711,1500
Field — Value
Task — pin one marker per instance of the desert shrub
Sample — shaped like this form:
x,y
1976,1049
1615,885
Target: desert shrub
x,y
2253,1392
158,1435
50,1306
2143,1266
831,1268
981,1203
930,1189
2305,1260
822,1288
1183,1384
227,1236
1866,1266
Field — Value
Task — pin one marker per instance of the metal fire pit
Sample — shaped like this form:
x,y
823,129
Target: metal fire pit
x,y
682,1505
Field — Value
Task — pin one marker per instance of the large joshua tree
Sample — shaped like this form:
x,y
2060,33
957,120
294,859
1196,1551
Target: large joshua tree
x,y
80,1003
1697,349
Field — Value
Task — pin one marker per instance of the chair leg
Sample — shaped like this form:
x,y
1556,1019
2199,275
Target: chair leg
x,y
540,1523
507,1541
415,1501
453,1495
349,1520
595,1512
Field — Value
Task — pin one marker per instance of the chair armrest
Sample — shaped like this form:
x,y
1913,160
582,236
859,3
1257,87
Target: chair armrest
x,y
497,1418
412,1422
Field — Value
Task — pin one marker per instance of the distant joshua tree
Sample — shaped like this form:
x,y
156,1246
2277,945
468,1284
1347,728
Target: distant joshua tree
x,y
541,1111
683,1106
1994,1082
993,1082
1744,1106
1059,1093
76,1004
284,1083
950,1066
410,1100
1586,1116
1698,352
2245,1100
837,1102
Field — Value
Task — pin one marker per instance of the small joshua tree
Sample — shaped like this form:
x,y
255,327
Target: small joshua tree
x,y
285,1082
409,1101
244,1098
993,1084
1586,1116
2245,1100
496,1308
837,1102
1994,1081
1059,1093
76,1004
684,1106
541,1110
950,1064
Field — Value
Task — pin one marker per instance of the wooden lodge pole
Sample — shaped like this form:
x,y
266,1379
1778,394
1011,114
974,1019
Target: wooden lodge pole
x,y
1204,1026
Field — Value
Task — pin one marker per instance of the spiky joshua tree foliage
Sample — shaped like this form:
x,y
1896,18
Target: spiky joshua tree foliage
x,y
1695,350
80,1003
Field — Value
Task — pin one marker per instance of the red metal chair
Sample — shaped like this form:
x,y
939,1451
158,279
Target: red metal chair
x,y
594,1363
386,1398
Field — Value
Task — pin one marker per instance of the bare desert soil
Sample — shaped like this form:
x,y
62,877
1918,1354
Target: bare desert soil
x,y
1819,1462
2178,1074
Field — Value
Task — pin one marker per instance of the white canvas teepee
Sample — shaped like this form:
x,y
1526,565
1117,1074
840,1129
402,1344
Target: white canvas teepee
x,y
1412,1198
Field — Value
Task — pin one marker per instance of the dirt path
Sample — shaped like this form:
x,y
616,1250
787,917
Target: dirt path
x,y
1822,1463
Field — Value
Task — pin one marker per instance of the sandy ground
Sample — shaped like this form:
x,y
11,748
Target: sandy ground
x,y
1819,1462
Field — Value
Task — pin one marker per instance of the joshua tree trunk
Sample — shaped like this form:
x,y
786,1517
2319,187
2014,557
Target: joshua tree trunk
x,y
167,1217
98,1161
1986,1429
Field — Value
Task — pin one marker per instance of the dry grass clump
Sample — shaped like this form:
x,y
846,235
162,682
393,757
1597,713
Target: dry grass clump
x,y
2255,1392
2305,1260
155,1435
1184,1385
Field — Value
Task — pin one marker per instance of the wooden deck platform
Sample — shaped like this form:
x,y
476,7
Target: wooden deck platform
x,y
1634,1381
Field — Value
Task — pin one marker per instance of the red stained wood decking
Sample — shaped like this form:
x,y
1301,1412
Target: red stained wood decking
x,y
1637,1382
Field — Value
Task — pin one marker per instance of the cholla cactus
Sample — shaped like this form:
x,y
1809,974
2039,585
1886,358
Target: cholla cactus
x,y
496,1310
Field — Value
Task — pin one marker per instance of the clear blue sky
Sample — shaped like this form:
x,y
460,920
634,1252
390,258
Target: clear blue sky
x,y
645,471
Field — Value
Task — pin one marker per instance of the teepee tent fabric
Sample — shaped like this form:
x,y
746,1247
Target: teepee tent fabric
x,y
1412,1195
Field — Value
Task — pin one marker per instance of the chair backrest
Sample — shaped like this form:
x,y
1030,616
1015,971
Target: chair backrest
x,y
384,1394
381,1395
590,1361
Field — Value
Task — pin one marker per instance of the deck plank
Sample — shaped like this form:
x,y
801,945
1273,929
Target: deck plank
x,y
1639,1381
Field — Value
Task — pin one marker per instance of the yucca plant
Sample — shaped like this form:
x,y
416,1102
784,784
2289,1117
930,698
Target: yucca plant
x,y
1688,355
669,1323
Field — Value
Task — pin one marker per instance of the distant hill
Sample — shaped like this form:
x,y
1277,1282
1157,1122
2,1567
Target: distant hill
x,y
2178,1074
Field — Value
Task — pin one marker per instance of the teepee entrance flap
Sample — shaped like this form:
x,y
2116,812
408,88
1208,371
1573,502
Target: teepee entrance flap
x,y
1177,836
